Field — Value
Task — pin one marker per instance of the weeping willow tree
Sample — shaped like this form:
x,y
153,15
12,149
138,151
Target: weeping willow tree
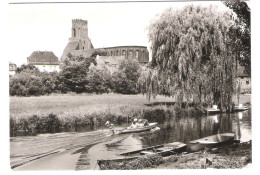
x,y
193,56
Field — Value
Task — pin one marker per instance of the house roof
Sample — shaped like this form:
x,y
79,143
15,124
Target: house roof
x,y
43,57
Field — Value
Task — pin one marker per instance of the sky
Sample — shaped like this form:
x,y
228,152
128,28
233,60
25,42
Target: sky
x,y
47,27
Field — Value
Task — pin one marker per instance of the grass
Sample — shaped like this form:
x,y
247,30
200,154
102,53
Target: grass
x,y
71,112
26,106
61,113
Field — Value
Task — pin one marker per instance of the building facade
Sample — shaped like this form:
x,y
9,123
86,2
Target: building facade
x,y
244,80
80,44
44,61
139,53
12,68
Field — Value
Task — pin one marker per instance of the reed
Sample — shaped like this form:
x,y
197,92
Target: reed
x,y
51,114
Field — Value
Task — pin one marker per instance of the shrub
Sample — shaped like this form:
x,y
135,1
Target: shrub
x,y
126,77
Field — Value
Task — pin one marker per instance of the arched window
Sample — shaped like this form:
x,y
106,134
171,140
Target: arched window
x,y
130,53
117,53
123,52
111,53
74,32
136,54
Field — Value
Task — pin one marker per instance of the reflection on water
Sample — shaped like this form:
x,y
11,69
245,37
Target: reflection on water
x,y
186,129
183,129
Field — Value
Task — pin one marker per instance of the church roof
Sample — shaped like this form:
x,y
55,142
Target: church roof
x,y
43,57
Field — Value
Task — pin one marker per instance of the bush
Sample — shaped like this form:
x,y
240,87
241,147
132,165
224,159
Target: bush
x,y
26,83
98,80
32,82
125,78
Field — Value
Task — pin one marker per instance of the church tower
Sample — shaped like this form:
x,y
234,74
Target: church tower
x,y
79,32
79,42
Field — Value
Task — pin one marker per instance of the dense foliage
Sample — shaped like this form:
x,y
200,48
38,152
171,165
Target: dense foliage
x,y
243,21
98,80
126,76
193,55
78,74
30,81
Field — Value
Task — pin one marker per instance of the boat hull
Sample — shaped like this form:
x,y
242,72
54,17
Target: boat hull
x,y
211,141
238,109
213,111
141,129
163,150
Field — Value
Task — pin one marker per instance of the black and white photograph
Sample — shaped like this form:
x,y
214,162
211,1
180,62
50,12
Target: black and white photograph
x,y
129,85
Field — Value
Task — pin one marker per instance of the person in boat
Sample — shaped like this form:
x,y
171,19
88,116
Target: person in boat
x,y
110,126
134,124
142,122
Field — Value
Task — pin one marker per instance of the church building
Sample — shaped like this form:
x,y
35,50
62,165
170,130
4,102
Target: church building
x,y
80,44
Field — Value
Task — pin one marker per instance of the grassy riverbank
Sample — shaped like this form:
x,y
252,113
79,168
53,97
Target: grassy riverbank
x,y
61,113
228,157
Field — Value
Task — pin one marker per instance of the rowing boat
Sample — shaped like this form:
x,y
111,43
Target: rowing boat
x,y
211,141
213,110
140,129
240,107
163,150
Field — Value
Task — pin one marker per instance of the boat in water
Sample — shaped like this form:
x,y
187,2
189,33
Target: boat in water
x,y
211,141
213,110
138,129
163,150
240,107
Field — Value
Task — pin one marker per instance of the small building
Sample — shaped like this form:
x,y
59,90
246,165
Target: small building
x,y
44,61
244,80
12,68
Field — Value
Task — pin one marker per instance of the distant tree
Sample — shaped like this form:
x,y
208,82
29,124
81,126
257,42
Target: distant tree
x,y
26,67
74,72
126,76
100,52
98,80
26,84
194,55
50,82
148,82
243,20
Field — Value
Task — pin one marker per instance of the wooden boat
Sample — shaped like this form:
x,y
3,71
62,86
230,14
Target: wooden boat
x,y
211,141
213,110
163,150
141,129
240,107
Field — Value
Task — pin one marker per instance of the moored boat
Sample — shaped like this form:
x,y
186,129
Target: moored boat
x,y
240,107
211,141
163,150
138,129
213,110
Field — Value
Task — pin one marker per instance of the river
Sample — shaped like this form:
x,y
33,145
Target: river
x,y
182,129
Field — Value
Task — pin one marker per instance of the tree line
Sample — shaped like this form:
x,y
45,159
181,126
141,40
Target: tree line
x,y
196,51
78,74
